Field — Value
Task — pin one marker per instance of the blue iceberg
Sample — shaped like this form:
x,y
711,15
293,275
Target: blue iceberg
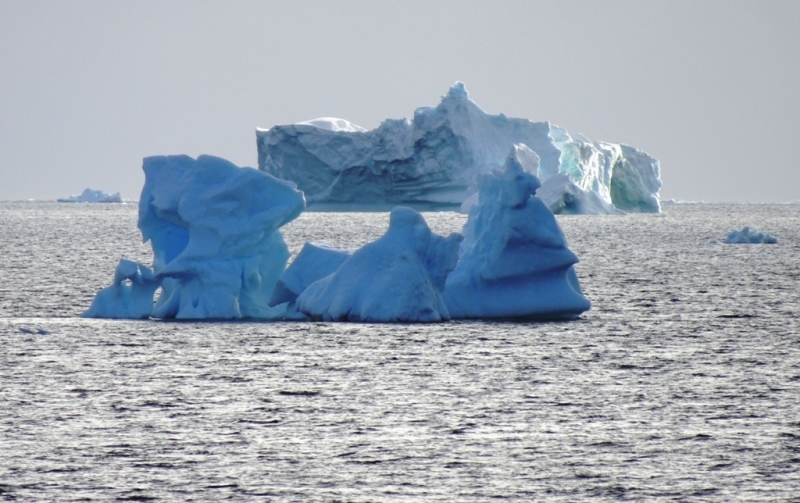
x,y
514,261
214,232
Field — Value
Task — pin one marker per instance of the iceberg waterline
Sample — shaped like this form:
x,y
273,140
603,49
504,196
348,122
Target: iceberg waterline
x,y
434,160
218,254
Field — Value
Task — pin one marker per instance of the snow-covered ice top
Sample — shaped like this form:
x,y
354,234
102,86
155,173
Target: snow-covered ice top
x,y
514,261
214,232
749,236
433,161
333,124
397,278
93,196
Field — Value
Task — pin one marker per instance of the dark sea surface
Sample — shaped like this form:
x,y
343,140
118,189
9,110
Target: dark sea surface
x,y
681,384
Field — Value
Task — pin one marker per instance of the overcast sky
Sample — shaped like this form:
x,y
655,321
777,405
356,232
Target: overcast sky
x,y
710,88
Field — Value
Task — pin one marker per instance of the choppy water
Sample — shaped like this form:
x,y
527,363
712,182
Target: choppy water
x,y
682,383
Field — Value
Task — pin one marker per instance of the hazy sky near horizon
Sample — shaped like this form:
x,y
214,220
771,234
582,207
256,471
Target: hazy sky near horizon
x,y
88,88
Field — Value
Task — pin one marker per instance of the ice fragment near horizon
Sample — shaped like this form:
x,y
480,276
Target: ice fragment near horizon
x,y
214,232
434,160
514,261
93,196
749,236
397,278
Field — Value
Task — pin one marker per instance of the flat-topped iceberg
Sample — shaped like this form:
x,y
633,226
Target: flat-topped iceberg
x,y
214,232
93,196
433,161
749,236
397,278
514,261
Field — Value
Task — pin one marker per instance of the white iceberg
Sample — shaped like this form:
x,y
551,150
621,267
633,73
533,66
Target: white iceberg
x,y
92,196
434,160
397,278
214,232
749,236
514,261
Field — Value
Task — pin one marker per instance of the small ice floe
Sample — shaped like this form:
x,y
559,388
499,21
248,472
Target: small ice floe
x,y
39,331
747,235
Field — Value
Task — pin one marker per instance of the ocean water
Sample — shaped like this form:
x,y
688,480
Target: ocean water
x,y
681,384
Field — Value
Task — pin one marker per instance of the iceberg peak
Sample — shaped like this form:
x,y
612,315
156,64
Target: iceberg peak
x,y
458,91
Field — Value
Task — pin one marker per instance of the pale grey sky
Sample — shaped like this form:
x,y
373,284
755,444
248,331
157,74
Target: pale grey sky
x,y
710,88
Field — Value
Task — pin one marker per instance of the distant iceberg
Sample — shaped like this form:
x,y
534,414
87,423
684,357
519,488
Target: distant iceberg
x,y
749,236
514,261
217,250
434,160
93,196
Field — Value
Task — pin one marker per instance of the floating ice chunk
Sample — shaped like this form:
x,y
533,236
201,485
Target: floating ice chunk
x,y
514,261
748,235
562,196
31,331
93,196
129,296
397,278
434,160
315,261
